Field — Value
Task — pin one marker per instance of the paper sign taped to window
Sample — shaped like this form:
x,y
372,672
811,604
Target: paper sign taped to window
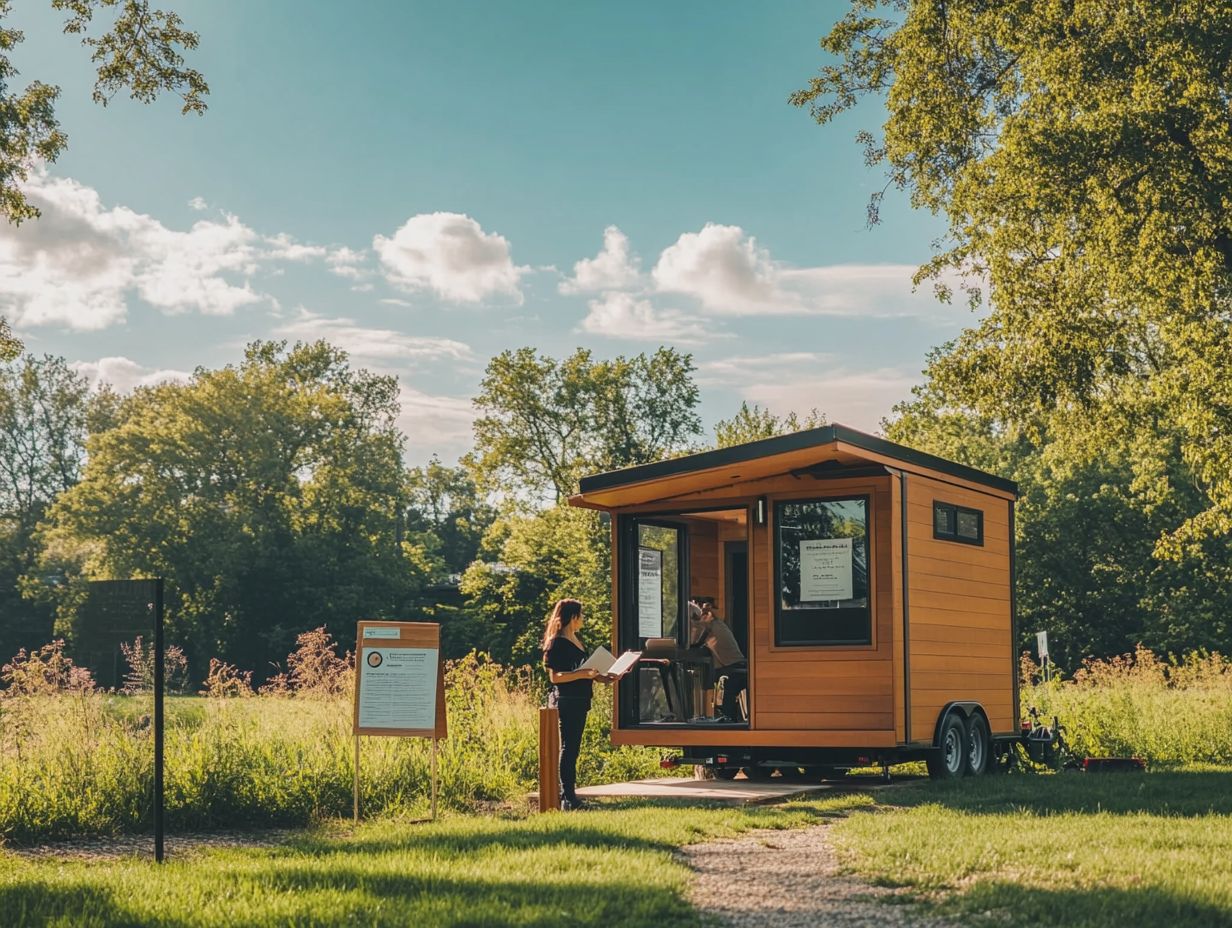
x,y
649,592
825,570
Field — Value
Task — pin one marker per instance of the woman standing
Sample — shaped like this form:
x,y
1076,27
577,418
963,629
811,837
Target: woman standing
x,y
563,654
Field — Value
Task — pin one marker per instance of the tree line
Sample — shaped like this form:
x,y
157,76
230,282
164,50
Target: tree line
x,y
273,496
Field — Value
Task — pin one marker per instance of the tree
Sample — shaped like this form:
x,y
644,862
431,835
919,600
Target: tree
x,y
141,51
752,423
45,413
545,422
1082,154
446,514
267,493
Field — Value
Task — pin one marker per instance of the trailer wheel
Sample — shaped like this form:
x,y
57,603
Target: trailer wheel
x,y
979,745
949,761
758,774
726,773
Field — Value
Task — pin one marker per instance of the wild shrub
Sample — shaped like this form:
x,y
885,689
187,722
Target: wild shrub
x,y
225,681
46,671
140,675
1166,710
314,669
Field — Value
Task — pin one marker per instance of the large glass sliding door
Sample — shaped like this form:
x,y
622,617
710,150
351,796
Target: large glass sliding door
x,y
654,594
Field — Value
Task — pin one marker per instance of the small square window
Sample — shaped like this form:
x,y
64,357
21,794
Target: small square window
x,y
969,524
943,517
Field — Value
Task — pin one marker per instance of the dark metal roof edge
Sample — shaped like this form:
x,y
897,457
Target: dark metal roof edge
x,y
781,444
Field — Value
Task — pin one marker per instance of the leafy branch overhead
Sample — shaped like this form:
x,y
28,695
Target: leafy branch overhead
x,y
1082,155
140,50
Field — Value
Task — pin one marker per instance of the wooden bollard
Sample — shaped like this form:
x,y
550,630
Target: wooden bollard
x,y
549,759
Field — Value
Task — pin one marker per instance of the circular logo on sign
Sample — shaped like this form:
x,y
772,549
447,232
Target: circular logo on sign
x,y
374,659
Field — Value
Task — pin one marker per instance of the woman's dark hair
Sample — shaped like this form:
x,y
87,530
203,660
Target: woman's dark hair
x,y
564,612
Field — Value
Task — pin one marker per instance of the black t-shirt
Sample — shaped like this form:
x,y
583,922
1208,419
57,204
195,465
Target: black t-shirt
x,y
563,656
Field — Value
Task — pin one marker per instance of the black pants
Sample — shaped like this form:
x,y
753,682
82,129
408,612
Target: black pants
x,y
572,724
737,679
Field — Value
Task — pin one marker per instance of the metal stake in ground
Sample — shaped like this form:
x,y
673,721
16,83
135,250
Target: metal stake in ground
x,y
159,682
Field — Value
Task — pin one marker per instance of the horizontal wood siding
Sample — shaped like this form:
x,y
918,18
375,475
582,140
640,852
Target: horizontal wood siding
x,y
704,558
825,689
959,600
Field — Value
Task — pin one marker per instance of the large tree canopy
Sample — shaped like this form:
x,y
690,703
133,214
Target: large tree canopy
x,y
544,422
1082,154
268,494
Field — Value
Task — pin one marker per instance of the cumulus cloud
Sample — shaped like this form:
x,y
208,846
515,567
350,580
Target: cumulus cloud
x,y
450,255
80,263
125,375
384,349
435,425
199,204
728,273
613,268
807,380
623,315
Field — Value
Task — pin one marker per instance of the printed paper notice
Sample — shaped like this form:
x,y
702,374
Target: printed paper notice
x,y
649,592
397,688
825,570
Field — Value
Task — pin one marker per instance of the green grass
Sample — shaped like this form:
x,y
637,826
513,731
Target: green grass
x,y
1084,851
610,867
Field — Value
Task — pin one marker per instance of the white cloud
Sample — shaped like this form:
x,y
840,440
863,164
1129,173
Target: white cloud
x,y
80,263
199,204
348,263
728,273
613,268
450,255
125,375
435,425
802,381
622,315
384,349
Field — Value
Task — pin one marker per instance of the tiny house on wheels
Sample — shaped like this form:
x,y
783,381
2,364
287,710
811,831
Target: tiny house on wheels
x,y
866,598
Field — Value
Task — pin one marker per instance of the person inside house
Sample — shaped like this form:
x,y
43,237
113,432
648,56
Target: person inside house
x,y
707,629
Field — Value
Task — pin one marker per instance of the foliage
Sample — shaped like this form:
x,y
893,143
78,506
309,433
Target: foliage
x,y
314,669
83,764
266,493
46,411
1081,154
139,51
534,561
225,681
1170,711
1091,510
752,423
446,514
43,672
140,660
543,423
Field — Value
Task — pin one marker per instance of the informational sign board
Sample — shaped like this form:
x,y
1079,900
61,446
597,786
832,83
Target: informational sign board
x,y
399,684
825,570
1041,644
649,592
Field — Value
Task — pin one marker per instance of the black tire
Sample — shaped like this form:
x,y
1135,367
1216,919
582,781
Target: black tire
x,y
758,774
979,745
949,761
792,773
829,773
726,773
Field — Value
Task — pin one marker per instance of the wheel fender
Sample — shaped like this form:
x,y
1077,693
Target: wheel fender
x,y
963,709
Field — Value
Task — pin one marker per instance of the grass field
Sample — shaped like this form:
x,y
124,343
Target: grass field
x,y
1021,850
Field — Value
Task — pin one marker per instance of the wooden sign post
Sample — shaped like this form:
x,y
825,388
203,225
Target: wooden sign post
x,y
399,686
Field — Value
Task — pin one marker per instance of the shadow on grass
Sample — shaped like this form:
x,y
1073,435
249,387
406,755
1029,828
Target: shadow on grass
x,y
1171,793
1095,907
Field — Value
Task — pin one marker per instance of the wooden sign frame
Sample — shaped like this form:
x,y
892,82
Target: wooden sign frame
x,y
410,635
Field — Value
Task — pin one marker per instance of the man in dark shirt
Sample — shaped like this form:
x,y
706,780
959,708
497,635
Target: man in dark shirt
x,y
706,628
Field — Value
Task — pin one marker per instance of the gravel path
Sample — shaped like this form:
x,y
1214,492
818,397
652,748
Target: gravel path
x,y
787,879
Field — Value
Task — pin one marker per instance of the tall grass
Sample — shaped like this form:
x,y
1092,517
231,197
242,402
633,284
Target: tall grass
x,y
1167,711
83,762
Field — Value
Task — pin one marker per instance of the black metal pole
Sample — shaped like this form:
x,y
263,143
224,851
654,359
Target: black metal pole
x,y
158,719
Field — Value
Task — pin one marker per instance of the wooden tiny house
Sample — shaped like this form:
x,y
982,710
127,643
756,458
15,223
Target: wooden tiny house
x,y
869,587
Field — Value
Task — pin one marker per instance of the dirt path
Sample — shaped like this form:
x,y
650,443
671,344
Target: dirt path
x,y
786,879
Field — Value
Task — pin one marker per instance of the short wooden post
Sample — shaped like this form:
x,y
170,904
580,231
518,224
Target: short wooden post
x,y
549,759
355,785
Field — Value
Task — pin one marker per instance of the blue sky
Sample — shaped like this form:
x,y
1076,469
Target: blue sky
x,y
429,184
